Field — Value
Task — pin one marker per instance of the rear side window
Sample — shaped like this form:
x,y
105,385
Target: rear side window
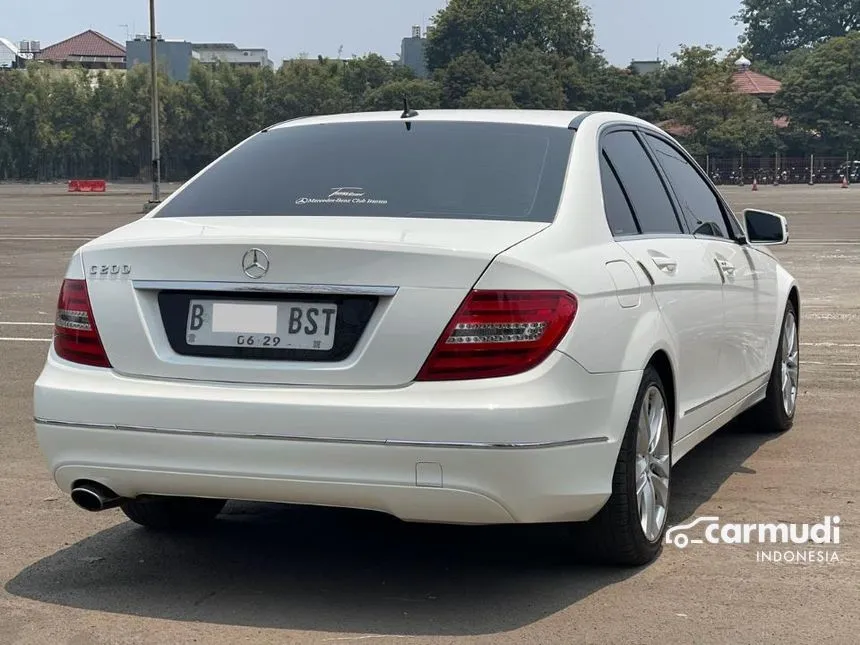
x,y
382,169
698,203
651,204
618,214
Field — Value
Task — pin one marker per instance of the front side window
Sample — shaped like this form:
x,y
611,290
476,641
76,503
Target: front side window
x,y
652,206
434,169
699,205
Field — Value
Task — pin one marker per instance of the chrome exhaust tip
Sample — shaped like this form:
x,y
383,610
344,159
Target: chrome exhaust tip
x,y
94,497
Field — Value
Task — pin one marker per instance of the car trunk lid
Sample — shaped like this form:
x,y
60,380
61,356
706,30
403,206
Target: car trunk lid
x,y
395,283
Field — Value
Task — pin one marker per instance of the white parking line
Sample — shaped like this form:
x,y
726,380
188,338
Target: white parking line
x,y
830,344
26,215
346,639
825,242
24,340
43,237
24,324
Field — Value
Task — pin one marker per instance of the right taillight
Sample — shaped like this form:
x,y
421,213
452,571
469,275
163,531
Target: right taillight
x,y
500,333
76,337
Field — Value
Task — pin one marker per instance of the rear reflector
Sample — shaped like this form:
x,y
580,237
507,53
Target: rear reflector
x,y
76,338
500,333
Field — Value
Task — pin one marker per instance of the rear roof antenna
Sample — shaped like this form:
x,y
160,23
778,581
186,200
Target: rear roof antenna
x,y
408,112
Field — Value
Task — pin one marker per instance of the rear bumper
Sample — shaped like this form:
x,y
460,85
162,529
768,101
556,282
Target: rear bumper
x,y
540,447
467,486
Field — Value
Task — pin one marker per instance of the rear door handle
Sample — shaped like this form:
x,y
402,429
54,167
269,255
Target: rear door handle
x,y
667,265
726,267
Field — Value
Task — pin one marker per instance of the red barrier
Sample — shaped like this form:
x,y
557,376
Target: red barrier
x,y
87,185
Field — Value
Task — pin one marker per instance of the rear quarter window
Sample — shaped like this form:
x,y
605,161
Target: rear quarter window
x,y
619,216
652,206
382,169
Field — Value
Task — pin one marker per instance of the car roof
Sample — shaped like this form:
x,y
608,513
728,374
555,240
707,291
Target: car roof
x,y
550,118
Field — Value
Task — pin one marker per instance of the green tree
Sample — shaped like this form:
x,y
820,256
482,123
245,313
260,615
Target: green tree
x,y
532,76
482,98
490,28
136,95
365,74
697,62
109,119
691,63
466,73
306,88
780,70
16,124
422,94
722,121
822,94
776,27
596,85
10,102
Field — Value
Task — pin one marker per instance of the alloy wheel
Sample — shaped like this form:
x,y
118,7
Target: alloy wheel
x,y
790,366
653,465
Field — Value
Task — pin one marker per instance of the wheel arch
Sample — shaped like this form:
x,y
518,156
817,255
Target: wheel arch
x,y
661,362
794,299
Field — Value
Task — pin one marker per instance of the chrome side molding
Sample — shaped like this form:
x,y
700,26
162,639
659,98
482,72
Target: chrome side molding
x,y
476,445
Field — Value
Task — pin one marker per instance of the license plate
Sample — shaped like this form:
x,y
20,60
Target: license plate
x,y
282,325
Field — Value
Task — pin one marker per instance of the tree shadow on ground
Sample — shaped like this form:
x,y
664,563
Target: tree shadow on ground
x,y
273,566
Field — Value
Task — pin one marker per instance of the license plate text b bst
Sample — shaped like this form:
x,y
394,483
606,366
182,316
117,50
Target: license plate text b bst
x,y
283,325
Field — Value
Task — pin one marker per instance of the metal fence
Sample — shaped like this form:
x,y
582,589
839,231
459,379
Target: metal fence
x,y
811,169
739,170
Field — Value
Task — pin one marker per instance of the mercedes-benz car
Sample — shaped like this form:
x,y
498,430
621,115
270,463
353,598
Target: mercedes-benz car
x,y
469,317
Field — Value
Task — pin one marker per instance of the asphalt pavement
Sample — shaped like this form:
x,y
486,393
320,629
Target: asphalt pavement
x,y
272,574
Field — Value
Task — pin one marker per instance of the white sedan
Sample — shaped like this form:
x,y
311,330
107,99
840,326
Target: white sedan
x,y
473,317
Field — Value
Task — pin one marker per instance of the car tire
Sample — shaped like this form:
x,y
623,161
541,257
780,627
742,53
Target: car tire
x,y
616,535
172,513
773,414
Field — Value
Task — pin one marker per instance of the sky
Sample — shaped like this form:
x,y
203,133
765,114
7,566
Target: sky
x,y
625,29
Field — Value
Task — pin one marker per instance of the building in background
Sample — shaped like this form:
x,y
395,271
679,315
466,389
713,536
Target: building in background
x,y
413,52
230,54
10,55
746,81
174,56
28,50
643,67
90,49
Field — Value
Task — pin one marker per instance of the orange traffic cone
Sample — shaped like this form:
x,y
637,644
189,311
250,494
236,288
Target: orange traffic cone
x,y
755,185
845,181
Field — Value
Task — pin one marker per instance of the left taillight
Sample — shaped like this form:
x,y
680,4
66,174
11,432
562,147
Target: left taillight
x,y
76,337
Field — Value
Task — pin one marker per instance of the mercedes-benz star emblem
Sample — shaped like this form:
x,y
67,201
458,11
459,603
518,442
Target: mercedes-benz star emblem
x,y
255,263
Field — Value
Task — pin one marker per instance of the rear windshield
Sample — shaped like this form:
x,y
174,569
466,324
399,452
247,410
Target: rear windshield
x,y
382,169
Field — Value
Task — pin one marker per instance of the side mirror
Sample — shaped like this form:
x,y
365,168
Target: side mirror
x,y
765,229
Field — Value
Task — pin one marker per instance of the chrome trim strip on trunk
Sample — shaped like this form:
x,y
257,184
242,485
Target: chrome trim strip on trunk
x,y
246,287
477,445
724,394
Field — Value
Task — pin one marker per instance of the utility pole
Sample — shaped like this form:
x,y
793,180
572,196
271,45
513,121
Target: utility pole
x,y
156,143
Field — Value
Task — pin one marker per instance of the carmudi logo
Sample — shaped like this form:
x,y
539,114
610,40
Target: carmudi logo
x,y
816,538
